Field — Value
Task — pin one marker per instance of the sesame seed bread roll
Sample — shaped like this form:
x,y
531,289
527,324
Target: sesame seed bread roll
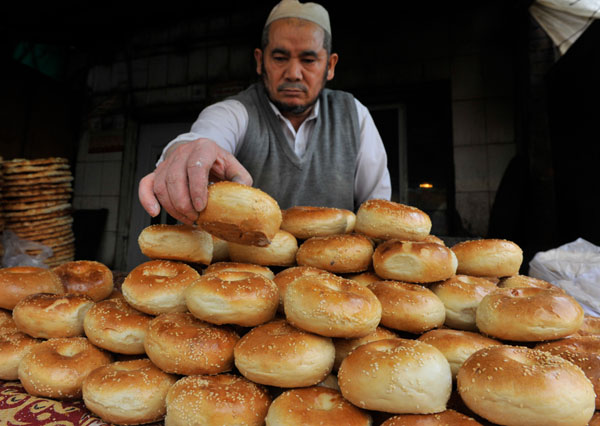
x,y
280,252
240,214
315,406
158,286
461,295
340,254
45,315
219,400
584,352
86,277
488,258
278,354
518,386
287,275
396,376
177,242
457,345
178,343
408,307
344,346
13,346
445,418
415,262
305,222
239,267
386,220
519,281
127,392
18,282
331,306
528,314
116,326
57,367
590,326
242,298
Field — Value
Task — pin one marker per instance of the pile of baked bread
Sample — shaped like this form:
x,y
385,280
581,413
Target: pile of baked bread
x,y
307,316
35,204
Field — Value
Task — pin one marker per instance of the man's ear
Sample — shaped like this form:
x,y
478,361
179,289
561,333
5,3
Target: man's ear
x,y
332,61
258,54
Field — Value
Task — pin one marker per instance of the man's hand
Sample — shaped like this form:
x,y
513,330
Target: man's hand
x,y
180,182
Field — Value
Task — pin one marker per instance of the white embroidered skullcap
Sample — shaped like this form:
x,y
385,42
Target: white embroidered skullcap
x,y
294,9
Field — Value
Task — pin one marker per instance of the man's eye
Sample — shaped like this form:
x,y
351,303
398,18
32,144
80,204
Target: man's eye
x,y
308,60
279,58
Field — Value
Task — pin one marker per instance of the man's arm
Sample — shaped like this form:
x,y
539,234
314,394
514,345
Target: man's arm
x,y
179,182
372,177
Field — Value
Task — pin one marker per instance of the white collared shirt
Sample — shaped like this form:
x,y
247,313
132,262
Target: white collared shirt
x,y
226,122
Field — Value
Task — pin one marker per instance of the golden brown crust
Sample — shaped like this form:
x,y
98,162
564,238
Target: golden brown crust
x,y
415,262
177,242
522,386
18,282
224,399
86,277
331,306
445,418
344,346
315,406
242,298
461,295
278,354
239,266
13,346
116,326
280,252
286,276
457,345
240,214
590,326
396,376
345,253
528,314
306,221
181,344
583,351
108,392
57,367
158,286
518,281
44,315
386,220
408,307
488,257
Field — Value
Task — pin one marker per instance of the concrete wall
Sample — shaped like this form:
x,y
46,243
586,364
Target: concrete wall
x,y
169,74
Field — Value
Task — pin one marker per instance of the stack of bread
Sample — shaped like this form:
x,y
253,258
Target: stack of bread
x,y
304,316
36,204
1,213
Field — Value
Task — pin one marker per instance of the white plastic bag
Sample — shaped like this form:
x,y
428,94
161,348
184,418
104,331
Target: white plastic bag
x,y
15,251
574,267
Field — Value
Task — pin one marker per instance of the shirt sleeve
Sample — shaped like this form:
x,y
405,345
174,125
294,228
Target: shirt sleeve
x,y
372,177
224,122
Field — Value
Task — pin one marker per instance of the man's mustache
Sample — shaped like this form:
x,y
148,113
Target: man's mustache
x,y
297,86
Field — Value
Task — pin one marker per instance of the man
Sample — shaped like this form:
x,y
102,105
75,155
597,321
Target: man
x,y
288,135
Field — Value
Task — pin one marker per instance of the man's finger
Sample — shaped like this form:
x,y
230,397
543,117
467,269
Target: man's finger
x,y
176,178
146,195
199,164
235,172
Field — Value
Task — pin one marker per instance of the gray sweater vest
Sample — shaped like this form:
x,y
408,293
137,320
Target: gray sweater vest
x,y
324,176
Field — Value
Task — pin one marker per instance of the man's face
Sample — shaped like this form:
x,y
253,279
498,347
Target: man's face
x,y
294,65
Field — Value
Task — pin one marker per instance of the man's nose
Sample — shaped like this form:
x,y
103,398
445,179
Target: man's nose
x,y
293,71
